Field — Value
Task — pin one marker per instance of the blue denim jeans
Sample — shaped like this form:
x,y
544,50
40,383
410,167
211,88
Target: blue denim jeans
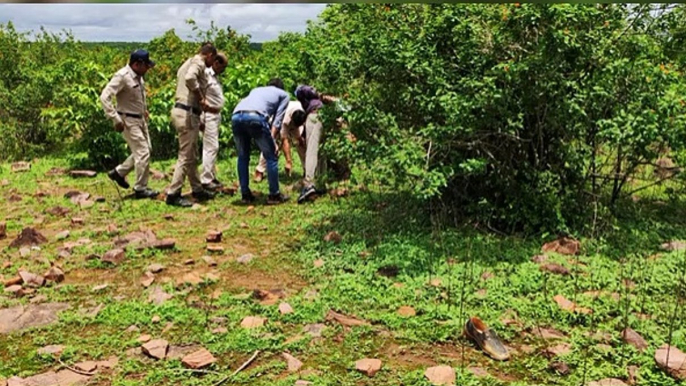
x,y
246,126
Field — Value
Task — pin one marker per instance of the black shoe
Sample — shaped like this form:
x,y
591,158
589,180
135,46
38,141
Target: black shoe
x,y
203,195
216,181
306,193
177,200
116,177
212,186
276,199
147,193
247,198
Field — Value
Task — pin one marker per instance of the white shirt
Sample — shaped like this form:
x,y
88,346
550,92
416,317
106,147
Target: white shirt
x,y
214,93
286,126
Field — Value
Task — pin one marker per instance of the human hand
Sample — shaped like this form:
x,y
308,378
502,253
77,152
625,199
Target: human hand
x,y
289,167
119,126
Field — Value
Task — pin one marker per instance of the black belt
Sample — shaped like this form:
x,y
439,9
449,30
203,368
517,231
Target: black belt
x,y
139,116
250,112
181,106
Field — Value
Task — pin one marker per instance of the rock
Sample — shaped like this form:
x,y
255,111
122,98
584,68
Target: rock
x,y
189,262
54,274
561,367
478,372
293,363
15,290
157,175
155,268
156,348
368,366
565,304
31,280
58,211
160,244
676,367
563,246
631,337
168,217
215,249
214,237
77,221
440,375
62,235
345,320
302,383
548,333
51,378
253,322
314,330
20,166
245,259
559,350
633,372
406,311
158,296
114,256
147,279
190,278
38,299
55,350
554,268
220,330
674,245
35,315
78,198
3,230
156,319
144,338
608,382
198,359
285,308
110,363
334,237
209,261
87,366
179,352
83,173
28,237
100,287
132,328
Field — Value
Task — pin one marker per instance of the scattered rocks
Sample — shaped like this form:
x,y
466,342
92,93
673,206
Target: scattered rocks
x,y
245,259
58,211
114,256
158,296
674,245
631,337
293,363
285,308
87,366
368,366
345,320
54,274
676,367
77,221
478,372
100,287
55,350
83,173
28,237
51,378
558,350
155,268
144,338
555,268
34,315
560,367
209,261
14,290
147,279
633,372
156,319
31,280
3,230
406,311
215,249
318,263
563,246
334,237
156,348
608,382
440,375
214,236
314,330
20,166
198,359
253,322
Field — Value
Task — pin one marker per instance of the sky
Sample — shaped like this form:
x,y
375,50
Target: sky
x,y
142,22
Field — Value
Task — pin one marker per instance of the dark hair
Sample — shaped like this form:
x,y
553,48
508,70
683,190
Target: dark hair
x,y
298,117
276,82
208,48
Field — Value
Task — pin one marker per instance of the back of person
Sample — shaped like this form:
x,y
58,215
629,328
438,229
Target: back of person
x,y
265,100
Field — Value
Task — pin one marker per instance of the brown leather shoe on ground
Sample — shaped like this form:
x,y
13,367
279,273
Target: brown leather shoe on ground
x,y
486,339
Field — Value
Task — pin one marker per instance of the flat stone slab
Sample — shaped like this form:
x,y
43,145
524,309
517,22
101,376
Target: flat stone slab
x,y
34,315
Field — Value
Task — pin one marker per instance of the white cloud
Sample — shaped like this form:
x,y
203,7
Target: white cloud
x,y
142,22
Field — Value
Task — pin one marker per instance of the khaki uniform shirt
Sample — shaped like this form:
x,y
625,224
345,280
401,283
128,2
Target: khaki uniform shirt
x,y
191,76
287,127
129,89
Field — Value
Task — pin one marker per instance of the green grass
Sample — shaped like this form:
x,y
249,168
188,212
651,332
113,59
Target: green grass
x,y
390,256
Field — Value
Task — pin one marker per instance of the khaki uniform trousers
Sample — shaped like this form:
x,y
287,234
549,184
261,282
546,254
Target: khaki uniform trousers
x,y
137,137
187,126
210,147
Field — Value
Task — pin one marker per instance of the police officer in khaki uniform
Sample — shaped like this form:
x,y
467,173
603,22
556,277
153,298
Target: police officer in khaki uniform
x,y
211,119
130,118
185,116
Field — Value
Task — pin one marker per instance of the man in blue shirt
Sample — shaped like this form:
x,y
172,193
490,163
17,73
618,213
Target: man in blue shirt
x,y
251,120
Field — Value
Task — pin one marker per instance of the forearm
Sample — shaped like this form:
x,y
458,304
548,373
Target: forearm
x,y
287,149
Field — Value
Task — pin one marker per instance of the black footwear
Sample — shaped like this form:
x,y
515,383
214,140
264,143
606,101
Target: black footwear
x,y
486,339
116,177
203,195
306,193
146,193
216,181
277,199
247,198
212,186
177,200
